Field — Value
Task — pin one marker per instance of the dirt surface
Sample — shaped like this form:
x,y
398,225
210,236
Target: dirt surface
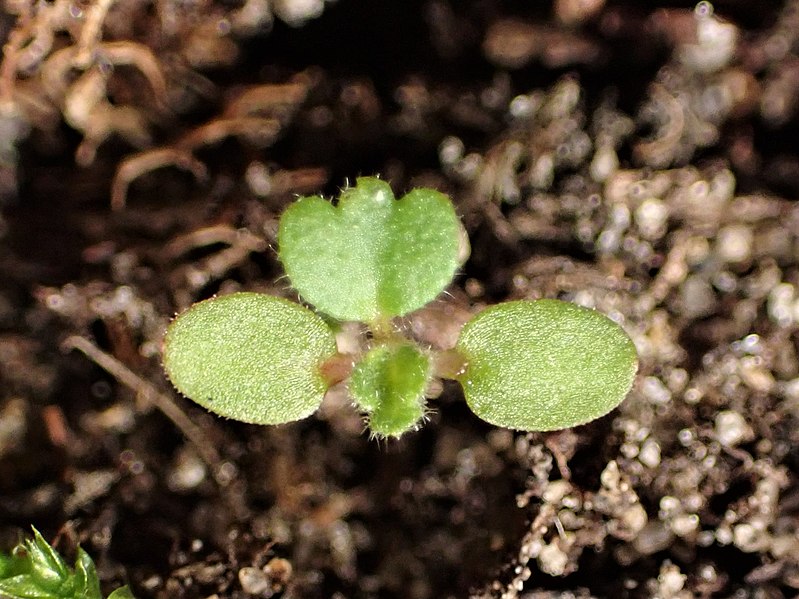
x,y
637,157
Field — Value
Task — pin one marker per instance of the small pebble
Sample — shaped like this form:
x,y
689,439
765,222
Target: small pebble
x,y
556,490
654,537
734,243
697,298
604,163
651,218
188,472
756,377
671,580
684,525
655,391
649,455
731,428
747,538
552,560
634,518
254,581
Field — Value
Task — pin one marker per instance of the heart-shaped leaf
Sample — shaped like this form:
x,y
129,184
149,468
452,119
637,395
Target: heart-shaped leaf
x,y
371,257
250,356
389,384
544,365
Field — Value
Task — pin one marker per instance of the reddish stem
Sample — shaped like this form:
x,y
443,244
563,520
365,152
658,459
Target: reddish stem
x,y
337,368
449,364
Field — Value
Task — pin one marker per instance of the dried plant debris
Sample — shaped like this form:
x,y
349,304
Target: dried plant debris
x,y
553,134
90,66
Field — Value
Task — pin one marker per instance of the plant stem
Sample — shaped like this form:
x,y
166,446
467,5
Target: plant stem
x,y
383,329
338,368
449,364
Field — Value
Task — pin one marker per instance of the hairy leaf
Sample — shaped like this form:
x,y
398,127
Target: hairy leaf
x,y
389,384
7,566
544,365
35,570
250,356
371,257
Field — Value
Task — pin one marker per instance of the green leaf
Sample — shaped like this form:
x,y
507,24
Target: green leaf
x,y
7,565
371,257
25,586
389,384
14,564
87,585
35,570
250,356
121,593
47,567
544,365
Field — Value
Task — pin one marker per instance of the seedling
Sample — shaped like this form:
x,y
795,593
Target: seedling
x,y
34,570
528,365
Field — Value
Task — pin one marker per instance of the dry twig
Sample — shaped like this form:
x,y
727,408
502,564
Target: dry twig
x,y
151,395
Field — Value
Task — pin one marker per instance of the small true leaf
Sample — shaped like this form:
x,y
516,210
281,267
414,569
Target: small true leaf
x,y
371,257
389,384
121,593
544,365
249,356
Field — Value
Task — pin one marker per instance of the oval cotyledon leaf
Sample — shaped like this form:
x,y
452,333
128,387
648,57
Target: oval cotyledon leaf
x,y
250,356
544,365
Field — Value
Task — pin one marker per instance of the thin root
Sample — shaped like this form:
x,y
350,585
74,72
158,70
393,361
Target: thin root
x,y
141,57
211,235
91,32
258,130
133,167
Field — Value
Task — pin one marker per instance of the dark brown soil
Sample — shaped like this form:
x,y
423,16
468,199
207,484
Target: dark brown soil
x,y
637,157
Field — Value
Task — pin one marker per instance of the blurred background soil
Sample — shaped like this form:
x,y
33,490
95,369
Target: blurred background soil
x,y
636,157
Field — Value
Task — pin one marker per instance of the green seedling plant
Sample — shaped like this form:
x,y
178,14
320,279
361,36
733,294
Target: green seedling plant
x,y
34,570
527,365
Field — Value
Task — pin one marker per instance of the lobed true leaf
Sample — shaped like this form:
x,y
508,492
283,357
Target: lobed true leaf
x,y
371,257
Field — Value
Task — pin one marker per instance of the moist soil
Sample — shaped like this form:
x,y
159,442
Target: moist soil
x,y
635,157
